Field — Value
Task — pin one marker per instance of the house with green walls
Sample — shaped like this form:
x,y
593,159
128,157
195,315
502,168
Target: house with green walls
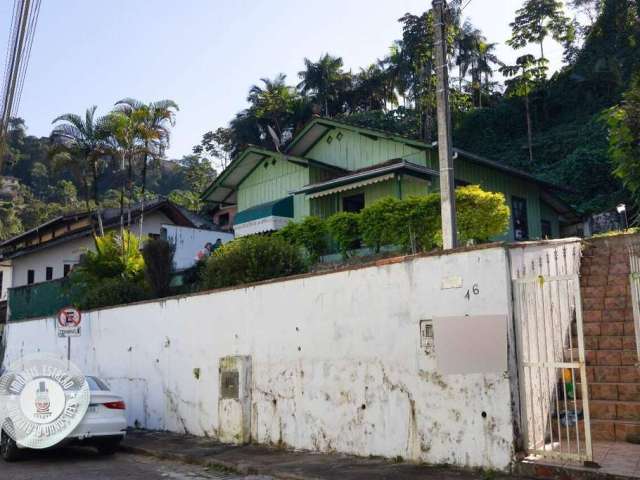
x,y
332,166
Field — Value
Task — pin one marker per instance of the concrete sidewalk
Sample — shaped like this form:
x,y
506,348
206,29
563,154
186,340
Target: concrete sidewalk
x,y
285,464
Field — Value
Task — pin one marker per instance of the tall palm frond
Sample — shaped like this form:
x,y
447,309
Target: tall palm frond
x,y
84,141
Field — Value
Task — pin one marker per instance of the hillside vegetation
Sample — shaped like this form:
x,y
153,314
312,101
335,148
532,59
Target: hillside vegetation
x,y
579,128
568,111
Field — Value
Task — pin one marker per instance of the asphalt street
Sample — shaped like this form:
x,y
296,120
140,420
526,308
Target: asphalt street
x,y
84,464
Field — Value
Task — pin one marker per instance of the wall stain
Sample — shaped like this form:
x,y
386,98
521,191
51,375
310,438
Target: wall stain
x,y
433,377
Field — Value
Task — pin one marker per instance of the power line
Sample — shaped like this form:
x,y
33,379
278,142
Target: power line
x,y
33,22
5,75
22,30
14,64
10,57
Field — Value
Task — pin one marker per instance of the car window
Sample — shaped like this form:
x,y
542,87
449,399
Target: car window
x,y
96,384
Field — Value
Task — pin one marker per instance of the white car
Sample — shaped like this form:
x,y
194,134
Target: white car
x,y
103,426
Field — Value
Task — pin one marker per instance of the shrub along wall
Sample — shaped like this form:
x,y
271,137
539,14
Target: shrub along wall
x,y
412,224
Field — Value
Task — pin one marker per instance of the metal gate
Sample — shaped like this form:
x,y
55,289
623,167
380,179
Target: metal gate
x,y
551,359
634,282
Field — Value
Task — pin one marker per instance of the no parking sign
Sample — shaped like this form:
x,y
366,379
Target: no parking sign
x,y
68,324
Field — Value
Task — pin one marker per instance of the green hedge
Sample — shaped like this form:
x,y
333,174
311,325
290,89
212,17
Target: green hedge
x,y
413,224
252,259
310,234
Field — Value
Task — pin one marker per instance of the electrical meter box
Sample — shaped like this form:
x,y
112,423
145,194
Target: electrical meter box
x,y
234,399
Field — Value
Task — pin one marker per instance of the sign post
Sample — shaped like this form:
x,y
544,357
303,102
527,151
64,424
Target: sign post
x,y
68,325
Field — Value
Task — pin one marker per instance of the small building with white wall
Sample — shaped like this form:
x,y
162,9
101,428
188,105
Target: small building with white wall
x,y
190,242
51,250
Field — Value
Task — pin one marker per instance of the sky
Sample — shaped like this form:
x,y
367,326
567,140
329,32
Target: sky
x,y
206,54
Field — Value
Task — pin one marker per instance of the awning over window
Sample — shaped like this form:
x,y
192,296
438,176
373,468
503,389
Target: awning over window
x,y
265,217
367,176
351,186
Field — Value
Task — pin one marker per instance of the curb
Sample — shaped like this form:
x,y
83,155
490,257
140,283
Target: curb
x,y
556,472
239,468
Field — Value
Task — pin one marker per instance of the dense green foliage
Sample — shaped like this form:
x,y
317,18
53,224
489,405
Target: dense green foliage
x,y
624,122
110,275
310,234
480,215
252,259
551,127
112,291
344,228
412,224
79,168
555,128
377,223
417,223
158,265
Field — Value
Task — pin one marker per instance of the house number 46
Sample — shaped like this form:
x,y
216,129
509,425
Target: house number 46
x,y
475,290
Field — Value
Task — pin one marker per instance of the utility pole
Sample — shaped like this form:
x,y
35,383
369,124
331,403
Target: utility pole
x,y
445,160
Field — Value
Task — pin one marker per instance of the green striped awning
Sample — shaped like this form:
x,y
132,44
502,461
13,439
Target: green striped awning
x,y
264,217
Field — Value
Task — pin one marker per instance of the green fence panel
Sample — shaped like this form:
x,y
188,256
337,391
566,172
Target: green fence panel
x,y
38,300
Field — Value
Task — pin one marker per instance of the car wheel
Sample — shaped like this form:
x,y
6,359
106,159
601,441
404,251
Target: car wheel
x,y
108,447
8,448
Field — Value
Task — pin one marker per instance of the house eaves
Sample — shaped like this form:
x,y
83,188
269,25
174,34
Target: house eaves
x,y
510,170
109,221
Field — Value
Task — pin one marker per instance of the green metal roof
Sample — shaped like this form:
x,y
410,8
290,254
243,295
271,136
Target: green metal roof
x,y
282,207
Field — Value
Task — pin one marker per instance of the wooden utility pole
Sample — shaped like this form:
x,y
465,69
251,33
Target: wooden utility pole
x,y
447,186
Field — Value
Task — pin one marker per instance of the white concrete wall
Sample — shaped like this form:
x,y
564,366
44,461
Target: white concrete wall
x,y
69,253
55,256
190,241
336,359
7,271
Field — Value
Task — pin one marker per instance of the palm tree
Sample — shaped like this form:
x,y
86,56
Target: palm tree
x,y
324,79
273,103
84,140
476,56
465,46
399,70
524,77
125,125
485,63
153,130
374,87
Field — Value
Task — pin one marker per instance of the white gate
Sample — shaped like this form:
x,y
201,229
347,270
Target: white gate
x,y
551,360
634,283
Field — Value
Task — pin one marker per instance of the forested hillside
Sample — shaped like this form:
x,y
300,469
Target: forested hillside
x,y
42,178
569,111
579,127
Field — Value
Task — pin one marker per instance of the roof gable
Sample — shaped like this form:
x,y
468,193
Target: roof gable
x,y
354,150
223,190
315,129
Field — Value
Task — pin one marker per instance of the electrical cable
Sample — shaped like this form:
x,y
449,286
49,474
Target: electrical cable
x,y
22,32
9,55
27,55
